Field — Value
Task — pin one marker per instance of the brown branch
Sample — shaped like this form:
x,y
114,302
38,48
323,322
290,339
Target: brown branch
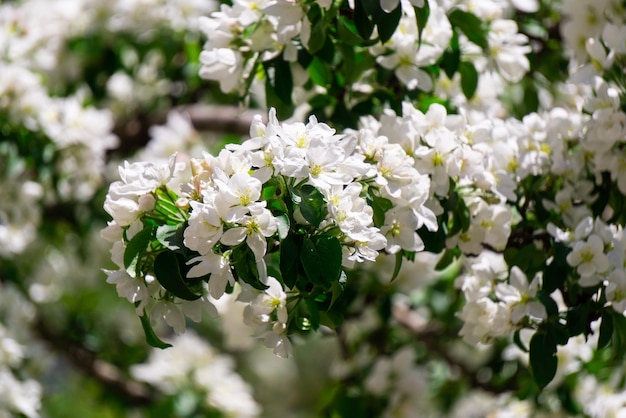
x,y
135,132
85,360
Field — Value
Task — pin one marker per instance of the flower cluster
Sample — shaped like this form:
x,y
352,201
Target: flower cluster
x,y
325,201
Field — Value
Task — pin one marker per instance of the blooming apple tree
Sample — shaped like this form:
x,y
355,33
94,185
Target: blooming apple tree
x,y
423,217
425,145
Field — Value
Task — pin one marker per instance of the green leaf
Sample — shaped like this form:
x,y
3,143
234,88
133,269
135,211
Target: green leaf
x,y
552,308
606,329
278,75
136,248
471,26
313,313
320,73
151,338
321,259
578,318
559,332
543,360
167,272
318,37
289,259
380,206
518,341
618,340
447,258
397,266
171,236
278,87
244,262
311,203
348,33
421,17
555,274
451,57
337,289
469,78
388,23
363,18
434,241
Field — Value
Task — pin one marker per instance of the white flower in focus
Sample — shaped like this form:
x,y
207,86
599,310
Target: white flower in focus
x,y
350,211
237,196
589,259
205,228
399,229
218,266
254,229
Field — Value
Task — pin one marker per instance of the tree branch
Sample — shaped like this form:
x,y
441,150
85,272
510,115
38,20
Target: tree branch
x,y
106,373
135,132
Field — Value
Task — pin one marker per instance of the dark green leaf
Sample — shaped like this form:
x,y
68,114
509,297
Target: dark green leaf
x,y
421,17
321,259
451,57
311,203
559,332
363,19
380,206
313,313
171,236
136,248
397,266
388,23
337,289
289,259
618,342
518,342
318,37
244,262
278,73
578,319
469,78
348,32
447,258
543,360
471,26
434,241
551,307
151,338
167,272
556,273
283,110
